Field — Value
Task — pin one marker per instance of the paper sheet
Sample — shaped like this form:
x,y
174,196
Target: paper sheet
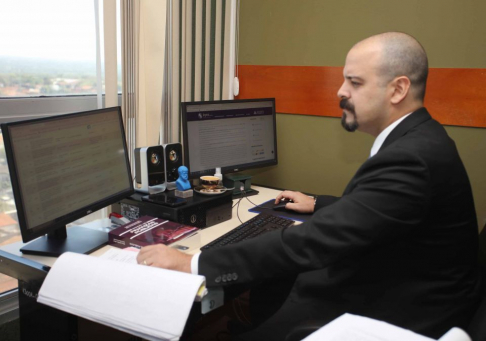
x,y
121,255
455,334
350,327
149,302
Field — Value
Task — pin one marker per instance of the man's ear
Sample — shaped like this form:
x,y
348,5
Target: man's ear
x,y
400,88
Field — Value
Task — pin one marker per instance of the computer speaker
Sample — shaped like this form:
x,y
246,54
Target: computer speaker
x,y
150,174
173,160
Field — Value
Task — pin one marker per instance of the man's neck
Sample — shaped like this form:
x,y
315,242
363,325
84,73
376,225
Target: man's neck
x,y
384,134
398,113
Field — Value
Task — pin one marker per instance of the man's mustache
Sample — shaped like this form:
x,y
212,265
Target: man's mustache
x,y
345,104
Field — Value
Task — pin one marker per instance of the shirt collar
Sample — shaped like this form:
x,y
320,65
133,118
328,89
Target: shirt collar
x,y
384,134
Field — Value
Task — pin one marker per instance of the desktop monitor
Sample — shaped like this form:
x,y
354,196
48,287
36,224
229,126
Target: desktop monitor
x,y
232,134
63,168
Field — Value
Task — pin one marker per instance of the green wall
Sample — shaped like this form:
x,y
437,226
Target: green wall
x,y
320,32
315,154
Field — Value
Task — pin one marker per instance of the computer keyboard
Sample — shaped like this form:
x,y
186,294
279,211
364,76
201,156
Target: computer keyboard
x,y
256,226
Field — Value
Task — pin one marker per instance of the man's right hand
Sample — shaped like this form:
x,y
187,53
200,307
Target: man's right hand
x,y
301,203
164,257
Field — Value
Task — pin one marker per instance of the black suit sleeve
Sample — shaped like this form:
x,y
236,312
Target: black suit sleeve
x,y
325,200
386,199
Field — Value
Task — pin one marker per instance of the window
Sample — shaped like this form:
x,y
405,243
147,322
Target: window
x,y
48,48
47,67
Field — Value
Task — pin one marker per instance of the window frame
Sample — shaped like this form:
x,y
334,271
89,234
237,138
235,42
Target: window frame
x,y
21,108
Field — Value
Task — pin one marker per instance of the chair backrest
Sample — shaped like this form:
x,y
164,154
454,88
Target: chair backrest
x,y
477,327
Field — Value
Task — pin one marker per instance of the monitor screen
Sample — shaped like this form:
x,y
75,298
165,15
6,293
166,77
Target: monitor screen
x,y
234,135
65,167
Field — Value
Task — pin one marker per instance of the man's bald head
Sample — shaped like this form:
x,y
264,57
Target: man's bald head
x,y
402,55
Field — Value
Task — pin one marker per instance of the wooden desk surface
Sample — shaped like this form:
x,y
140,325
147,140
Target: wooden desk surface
x,y
203,237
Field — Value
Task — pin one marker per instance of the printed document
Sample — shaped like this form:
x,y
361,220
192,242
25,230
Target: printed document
x,y
145,301
348,327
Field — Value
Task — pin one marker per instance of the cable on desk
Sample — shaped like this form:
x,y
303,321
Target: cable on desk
x,y
239,200
243,195
259,206
238,209
237,203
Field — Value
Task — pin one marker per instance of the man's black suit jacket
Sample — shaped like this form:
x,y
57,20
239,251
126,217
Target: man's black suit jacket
x,y
400,245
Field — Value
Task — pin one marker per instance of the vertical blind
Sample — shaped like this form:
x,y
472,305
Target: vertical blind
x,y
199,57
129,40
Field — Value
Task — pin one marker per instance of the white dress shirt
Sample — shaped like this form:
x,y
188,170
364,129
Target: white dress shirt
x,y
195,264
384,134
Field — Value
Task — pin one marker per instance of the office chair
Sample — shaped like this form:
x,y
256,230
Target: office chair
x,y
476,329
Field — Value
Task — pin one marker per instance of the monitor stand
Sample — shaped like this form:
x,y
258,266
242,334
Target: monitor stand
x,y
241,184
246,193
77,239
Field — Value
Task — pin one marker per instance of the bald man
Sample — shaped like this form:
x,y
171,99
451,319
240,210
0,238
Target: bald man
x,y
400,245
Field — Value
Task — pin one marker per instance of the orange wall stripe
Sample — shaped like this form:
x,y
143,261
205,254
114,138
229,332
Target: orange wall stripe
x,y
454,96
308,90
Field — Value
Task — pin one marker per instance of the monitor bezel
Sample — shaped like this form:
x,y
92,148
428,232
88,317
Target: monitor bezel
x,y
227,169
48,227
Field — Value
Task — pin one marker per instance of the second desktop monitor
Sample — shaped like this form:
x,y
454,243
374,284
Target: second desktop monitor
x,y
234,135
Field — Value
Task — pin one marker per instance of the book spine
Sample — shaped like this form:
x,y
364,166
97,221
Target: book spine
x,y
136,243
122,243
116,241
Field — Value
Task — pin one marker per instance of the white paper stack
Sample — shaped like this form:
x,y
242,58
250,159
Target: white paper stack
x,y
149,302
348,327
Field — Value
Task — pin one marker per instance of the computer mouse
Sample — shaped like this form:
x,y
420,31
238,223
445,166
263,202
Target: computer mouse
x,y
281,205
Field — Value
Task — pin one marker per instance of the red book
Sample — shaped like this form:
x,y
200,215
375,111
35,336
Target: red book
x,y
148,231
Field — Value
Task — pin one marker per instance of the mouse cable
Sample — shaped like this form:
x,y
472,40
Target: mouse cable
x,y
259,205
238,207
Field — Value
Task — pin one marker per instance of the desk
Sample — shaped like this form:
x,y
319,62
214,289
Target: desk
x,y
30,270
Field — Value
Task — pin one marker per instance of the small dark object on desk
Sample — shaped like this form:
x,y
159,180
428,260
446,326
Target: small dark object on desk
x,y
281,205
